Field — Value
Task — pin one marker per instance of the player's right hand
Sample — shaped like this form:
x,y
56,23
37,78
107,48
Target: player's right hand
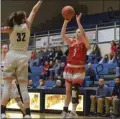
x,y
66,21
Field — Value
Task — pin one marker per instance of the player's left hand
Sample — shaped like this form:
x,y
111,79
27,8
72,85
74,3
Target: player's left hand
x,y
78,17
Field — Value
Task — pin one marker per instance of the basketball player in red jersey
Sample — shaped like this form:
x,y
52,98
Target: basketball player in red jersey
x,y
74,72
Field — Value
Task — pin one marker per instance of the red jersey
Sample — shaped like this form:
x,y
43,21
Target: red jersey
x,y
45,69
114,49
77,53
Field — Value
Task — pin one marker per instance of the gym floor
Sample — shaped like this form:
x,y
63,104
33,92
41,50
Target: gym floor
x,y
15,114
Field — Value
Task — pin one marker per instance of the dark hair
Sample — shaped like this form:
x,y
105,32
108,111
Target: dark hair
x,y
96,46
114,43
16,18
118,77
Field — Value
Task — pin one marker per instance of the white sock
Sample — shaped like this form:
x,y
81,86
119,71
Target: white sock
x,y
74,106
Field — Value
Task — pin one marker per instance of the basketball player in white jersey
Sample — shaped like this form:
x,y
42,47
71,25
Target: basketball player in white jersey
x,y
16,61
14,94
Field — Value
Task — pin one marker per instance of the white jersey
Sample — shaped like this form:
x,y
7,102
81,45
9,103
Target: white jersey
x,y
19,38
1,77
2,65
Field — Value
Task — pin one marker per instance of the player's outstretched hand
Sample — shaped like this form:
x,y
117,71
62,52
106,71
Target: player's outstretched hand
x,y
78,17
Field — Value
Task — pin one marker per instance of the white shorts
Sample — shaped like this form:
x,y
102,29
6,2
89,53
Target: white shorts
x,y
16,65
14,91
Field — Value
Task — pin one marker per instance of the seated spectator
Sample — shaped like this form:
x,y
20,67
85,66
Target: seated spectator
x,y
54,70
58,84
58,53
95,51
95,55
51,70
91,72
41,84
45,70
114,100
40,56
33,55
105,59
112,58
113,49
62,80
97,101
41,61
30,84
40,53
46,53
33,59
61,69
51,54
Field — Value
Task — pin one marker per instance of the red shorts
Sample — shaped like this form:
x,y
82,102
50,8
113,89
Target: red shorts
x,y
74,74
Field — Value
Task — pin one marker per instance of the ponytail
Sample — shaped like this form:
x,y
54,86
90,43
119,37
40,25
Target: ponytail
x,y
16,18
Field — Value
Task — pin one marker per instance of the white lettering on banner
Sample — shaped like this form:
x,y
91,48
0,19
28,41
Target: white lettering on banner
x,y
56,41
106,35
43,42
91,35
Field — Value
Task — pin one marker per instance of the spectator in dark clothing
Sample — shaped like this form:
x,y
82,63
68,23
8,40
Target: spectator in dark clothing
x,y
40,54
116,90
95,55
58,84
96,51
99,99
41,84
51,54
91,72
58,53
61,69
46,55
114,100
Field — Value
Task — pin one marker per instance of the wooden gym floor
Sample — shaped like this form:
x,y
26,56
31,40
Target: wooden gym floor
x,y
15,114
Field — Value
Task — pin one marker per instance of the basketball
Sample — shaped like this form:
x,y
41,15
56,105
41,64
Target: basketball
x,y
68,12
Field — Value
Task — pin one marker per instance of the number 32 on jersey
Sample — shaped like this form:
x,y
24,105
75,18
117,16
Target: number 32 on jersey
x,y
21,37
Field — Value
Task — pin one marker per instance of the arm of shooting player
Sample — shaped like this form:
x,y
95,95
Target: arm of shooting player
x,y
63,33
83,35
33,13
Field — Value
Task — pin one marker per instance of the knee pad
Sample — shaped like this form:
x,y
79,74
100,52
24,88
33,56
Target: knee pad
x,y
24,92
75,94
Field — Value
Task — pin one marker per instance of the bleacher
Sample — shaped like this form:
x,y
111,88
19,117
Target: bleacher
x,y
106,71
101,19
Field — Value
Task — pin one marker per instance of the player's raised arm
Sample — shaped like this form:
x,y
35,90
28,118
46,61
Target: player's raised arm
x,y
6,29
85,40
33,13
63,33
